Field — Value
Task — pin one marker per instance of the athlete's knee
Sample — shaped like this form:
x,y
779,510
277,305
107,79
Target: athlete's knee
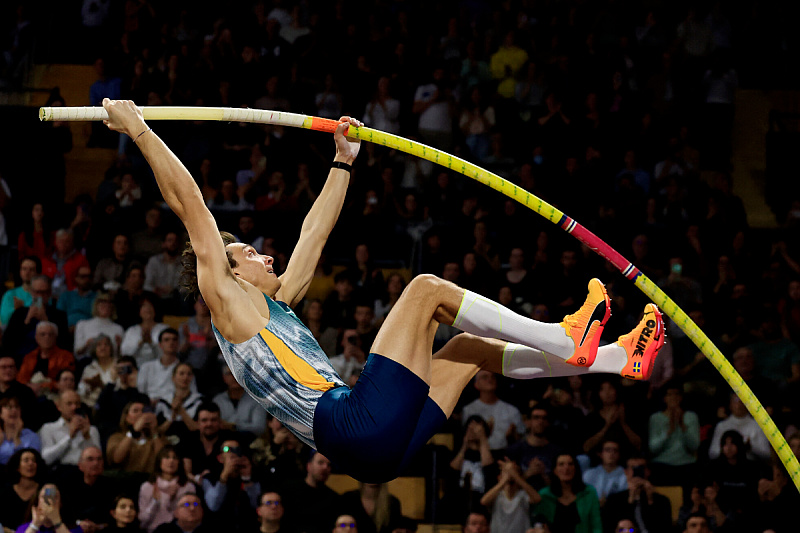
x,y
425,284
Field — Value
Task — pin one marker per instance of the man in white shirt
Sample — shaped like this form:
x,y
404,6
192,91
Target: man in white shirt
x,y
155,377
351,361
238,408
608,477
741,421
64,440
503,418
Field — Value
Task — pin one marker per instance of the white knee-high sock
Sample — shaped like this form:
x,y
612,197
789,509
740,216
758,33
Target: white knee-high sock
x,y
486,318
523,362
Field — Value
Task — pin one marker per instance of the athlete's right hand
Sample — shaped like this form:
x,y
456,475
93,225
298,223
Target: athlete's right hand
x,y
124,117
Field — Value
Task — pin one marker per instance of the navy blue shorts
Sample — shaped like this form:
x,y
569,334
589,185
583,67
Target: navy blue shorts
x,y
373,430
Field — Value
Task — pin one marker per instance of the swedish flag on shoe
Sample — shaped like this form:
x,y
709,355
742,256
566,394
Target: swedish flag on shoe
x,y
643,343
586,326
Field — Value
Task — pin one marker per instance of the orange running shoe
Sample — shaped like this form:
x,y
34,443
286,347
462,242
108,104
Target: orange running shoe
x,y
586,326
643,343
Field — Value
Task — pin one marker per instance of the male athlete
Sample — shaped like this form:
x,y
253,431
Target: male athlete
x,y
404,393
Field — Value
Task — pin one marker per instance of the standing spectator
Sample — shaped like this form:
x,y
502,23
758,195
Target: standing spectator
x,y
312,488
111,269
141,340
13,433
47,360
64,440
167,485
21,295
101,323
608,477
742,422
99,372
78,302
25,471
163,271
238,408
674,439
568,503
89,496
62,265
503,418
510,500
20,335
649,510
155,377
11,388
188,517
134,447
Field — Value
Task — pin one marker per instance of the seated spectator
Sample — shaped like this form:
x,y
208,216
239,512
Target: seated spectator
x,y
176,413
124,513
188,515
350,362
477,521
26,471
203,447
99,372
10,387
46,513
535,453
47,402
65,261
609,421
278,455
20,335
697,523
109,274
13,433
568,503
314,319
608,477
649,510
674,439
742,422
395,283
232,497
345,523
473,463
778,500
102,323
703,501
127,299
198,346
312,488
22,294
737,478
339,305
40,367
134,447
508,425
511,499
116,395
36,237
270,513
64,440
90,493
141,340
163,271
78,302
167,485
147,241
155,377
372,506
237,408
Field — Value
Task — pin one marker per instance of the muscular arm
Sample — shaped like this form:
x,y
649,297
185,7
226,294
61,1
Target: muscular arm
x,y
319,221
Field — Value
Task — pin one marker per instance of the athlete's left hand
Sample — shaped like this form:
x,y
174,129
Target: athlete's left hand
x,y
346,147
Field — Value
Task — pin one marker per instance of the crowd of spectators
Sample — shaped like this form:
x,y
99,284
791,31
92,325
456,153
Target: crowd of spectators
x,y
617,113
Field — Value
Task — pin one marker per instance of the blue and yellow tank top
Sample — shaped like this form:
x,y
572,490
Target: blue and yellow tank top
x,y
283,368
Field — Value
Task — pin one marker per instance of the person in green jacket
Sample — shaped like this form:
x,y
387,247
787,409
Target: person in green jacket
x,y
568,503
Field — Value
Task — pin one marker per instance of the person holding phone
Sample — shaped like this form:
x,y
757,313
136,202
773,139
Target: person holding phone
x,y
64,440
46,514
233,496
649,510
134,447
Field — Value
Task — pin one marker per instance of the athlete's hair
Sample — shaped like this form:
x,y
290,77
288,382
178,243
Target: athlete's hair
x,y
189,261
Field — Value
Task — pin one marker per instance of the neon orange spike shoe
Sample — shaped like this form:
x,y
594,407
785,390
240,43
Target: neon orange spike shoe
x,y
586,326
643,343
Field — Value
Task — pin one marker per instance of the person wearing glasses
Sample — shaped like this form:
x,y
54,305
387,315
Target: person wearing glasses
x,y
232,497
188,517
345,524
270,512
626,525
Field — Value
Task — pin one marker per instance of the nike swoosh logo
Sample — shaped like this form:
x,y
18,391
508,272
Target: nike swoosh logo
x,y
598,314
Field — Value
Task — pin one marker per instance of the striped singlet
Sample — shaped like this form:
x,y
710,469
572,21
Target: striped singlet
x,y
284,369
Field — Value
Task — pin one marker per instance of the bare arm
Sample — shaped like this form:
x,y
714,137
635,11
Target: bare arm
x,y
319,221
220,289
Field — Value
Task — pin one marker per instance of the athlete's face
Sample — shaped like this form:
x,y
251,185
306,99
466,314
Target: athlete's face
x,y
254,268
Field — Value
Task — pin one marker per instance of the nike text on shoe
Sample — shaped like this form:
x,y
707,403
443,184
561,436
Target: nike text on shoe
x,y
642,344
586,326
